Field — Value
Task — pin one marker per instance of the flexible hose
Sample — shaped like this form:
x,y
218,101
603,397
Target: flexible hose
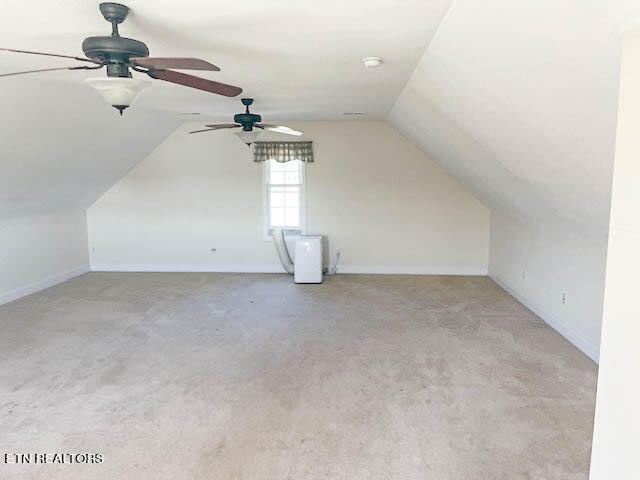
x,y
332,270
281,249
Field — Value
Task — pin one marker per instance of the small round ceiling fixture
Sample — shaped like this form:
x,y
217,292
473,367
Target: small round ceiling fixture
x,y
372,62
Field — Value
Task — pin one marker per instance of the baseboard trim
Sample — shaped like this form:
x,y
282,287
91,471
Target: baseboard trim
x,y
47,282
198,268
274,268
590,350
404,270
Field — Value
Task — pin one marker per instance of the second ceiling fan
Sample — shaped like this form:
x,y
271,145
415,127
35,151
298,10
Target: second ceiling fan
x,y
247,121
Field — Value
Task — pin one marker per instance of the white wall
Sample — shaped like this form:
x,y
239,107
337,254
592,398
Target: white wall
x,y
615,452
37,252
540,263
518,101
379,198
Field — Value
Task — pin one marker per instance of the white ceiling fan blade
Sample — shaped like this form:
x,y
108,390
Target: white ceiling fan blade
x,y
216,127
280,129
223,125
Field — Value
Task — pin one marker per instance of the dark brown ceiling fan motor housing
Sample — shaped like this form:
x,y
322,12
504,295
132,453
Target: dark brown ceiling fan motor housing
x,y
114,51
247,119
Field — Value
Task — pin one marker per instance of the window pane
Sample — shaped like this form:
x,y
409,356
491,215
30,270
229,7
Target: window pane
x,y
292,172
288,196
291,198
284,173
277,217
276,176
277,196
292,217
292,178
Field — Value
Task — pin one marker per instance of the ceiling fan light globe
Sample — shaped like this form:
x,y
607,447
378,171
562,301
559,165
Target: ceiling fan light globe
x,y
119,92
247,136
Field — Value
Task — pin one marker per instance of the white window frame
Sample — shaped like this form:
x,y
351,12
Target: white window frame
x,y
266,210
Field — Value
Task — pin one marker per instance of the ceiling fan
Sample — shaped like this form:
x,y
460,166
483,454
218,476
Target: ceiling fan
x,y
120,55
247,121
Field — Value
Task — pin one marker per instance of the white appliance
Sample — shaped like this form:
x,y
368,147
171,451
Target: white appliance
x,y
308,259
301,256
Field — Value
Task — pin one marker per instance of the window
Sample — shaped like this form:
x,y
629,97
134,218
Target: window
x,y
284,196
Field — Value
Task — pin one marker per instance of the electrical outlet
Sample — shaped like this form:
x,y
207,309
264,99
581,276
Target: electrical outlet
x,y
524,274
564,298
214,250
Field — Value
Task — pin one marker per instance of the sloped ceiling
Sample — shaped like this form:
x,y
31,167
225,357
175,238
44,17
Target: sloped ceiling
x,y
518,100
62,146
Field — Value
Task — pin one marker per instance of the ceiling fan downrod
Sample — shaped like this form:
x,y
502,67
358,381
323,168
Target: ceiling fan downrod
x,y
114,13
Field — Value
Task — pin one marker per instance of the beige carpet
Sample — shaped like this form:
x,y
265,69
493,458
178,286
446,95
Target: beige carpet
x,y
247,376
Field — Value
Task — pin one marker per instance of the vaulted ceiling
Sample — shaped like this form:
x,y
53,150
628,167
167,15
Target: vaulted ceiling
x,y
516,99
519,100
63,146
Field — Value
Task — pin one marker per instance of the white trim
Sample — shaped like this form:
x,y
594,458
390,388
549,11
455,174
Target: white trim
x,y
585,346
196,268
47,282
404,270
276,268
265,202
265,199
